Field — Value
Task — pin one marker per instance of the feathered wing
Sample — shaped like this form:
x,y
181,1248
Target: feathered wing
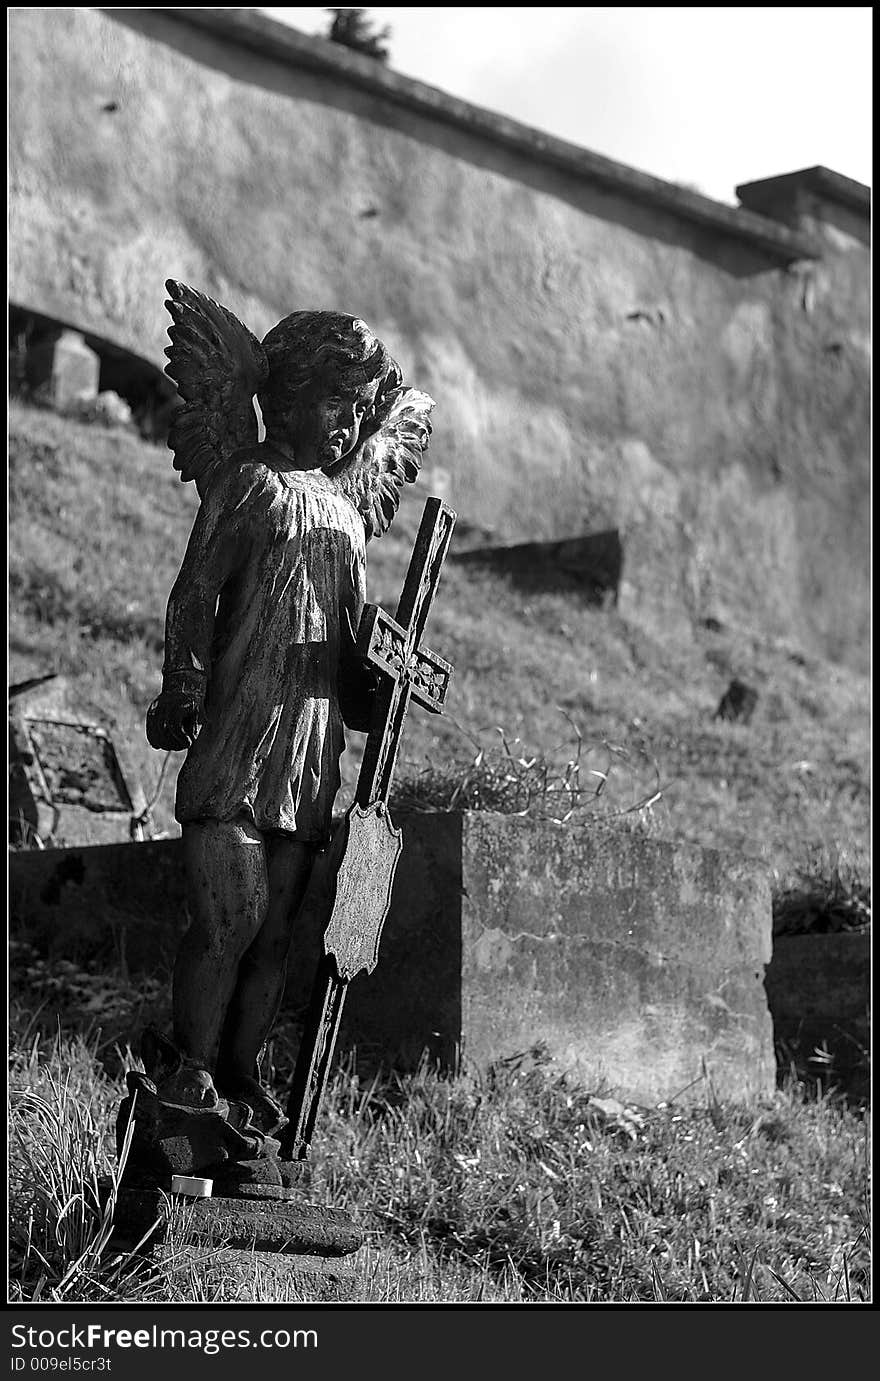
x,y
373,476
218,366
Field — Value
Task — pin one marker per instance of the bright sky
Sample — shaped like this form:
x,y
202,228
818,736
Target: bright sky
x,y
709,96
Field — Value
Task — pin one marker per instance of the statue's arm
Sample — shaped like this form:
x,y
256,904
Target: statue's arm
x,y
214,550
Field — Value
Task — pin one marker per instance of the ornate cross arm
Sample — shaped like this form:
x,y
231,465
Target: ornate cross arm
x,y
385,644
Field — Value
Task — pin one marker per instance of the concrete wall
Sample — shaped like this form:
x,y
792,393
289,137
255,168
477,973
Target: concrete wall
x,y
606,351
633,961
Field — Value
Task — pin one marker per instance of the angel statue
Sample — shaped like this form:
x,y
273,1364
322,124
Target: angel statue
x,y
261,671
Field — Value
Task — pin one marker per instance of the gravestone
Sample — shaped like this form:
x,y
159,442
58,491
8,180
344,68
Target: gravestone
x,y
64,370
69,783
591,565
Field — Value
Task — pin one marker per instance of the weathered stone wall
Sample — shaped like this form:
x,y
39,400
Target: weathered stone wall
x,y
631,961
607,351
636,960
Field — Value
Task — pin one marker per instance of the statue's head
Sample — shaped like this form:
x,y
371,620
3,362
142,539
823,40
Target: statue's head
x,y
328,376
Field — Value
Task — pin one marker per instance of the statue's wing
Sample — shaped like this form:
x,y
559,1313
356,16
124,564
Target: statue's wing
x,y
372,476
218,366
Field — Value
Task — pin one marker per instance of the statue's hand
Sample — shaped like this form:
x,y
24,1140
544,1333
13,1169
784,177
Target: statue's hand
x,y
358,683
174,720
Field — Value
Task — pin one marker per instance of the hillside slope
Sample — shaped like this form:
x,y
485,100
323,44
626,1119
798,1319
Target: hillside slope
x,y
98,526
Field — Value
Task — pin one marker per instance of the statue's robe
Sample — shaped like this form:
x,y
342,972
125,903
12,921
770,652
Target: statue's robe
x,y
268,602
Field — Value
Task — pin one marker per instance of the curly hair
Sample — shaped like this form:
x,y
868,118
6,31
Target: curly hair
x,y
308,346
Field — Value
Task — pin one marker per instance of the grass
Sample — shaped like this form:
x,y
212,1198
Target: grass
x,y
830,892
518,1186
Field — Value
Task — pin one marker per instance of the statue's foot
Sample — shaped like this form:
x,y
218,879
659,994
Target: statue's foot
x,y
261,1178
263,1170
189,1136
189,1086
269,1116
178,1078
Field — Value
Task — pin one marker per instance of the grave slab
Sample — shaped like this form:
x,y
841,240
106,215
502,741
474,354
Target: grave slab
x,y
637,963
69,782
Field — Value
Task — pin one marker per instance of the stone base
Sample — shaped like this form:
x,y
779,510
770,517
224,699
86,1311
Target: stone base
x,y
277,1246
290,1225
246,1277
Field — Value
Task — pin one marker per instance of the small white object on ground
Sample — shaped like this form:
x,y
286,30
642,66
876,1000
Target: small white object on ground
x,y
192,1186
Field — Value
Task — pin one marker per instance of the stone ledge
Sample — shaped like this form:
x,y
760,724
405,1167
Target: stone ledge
x,y
256,1277
282,1227
765,193
250,29
265,1252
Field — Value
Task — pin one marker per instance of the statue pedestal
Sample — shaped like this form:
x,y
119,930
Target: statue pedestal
x,y
268,1247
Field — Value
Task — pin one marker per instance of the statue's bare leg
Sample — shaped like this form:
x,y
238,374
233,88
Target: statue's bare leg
x,y
263,969
228,892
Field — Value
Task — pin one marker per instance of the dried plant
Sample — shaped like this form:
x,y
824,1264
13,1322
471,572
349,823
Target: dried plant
x,y
573,783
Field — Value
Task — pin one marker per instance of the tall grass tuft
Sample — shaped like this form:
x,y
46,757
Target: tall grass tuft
x,y
61,1111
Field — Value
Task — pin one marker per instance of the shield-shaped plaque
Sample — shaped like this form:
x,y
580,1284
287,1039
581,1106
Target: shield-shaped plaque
x,y
361,863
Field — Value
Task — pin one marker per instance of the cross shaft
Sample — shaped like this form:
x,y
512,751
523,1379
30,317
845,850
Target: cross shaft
x,y
407,672
393,647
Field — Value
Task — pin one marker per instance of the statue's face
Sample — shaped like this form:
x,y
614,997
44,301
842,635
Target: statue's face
x,y
327,423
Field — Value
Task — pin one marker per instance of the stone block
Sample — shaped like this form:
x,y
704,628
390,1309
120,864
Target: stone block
x,y
637,963
97,903
261,1277
292,1226
66,369
813,200
633,961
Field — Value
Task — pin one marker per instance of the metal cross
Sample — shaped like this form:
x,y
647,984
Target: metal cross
x,y
363,854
